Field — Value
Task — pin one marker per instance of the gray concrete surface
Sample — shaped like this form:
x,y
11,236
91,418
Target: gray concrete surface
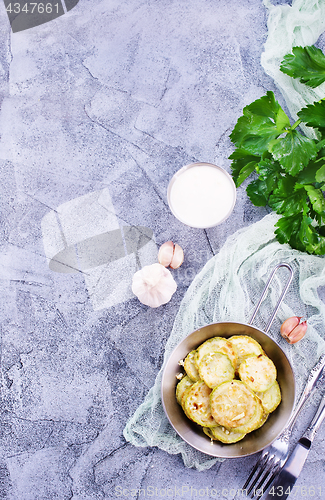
x,y
113,95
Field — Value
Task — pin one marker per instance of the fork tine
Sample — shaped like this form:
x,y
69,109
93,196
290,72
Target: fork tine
x,y
252,492
272,467
272,477
251,478
258,466
267,477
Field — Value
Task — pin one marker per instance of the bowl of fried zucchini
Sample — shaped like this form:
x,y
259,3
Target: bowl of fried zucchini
x,y
228,389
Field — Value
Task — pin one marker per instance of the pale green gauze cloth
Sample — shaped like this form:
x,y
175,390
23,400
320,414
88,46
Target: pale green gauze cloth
x,y
288,26
230,284
227,289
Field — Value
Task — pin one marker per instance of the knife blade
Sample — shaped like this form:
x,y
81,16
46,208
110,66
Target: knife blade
x,y
284,483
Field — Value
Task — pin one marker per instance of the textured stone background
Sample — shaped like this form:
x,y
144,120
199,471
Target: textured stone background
x,y
115,94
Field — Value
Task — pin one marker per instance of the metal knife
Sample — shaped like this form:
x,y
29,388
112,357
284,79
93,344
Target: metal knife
x,y
285,481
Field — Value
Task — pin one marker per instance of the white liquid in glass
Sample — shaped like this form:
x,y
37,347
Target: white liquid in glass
x,y
202,196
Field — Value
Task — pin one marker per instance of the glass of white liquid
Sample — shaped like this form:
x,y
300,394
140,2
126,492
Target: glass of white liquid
x,y
201,195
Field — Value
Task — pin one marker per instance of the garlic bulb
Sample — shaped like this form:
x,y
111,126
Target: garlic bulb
x,y
170,255
154,285
293,329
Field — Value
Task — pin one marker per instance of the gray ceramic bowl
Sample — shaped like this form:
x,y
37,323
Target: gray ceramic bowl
x,y
192,433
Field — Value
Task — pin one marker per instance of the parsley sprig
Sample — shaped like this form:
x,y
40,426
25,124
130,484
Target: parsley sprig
x,y
290,167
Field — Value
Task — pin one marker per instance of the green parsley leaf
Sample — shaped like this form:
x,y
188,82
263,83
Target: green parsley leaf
x,y
316,198
270,172
307,64
263,121
310,237
294,151
253,133
241,154
290,167
288,198
267,106
308,174
243,165
320,174
287,226
313,115
258,192
245,172
281,120
299,232
260,189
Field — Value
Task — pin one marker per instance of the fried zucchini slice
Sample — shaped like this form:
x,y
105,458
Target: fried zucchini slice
x,y
197,404
271,398
183,404
264,418
254,423
190,366
258,372
222,434
216,368
207,431
233,404
244,347
216,344
181,387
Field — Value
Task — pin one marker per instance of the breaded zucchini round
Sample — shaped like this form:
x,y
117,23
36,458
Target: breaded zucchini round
x,y
197,404
211,395
190,366
233,404
258,372
244,347
216,368
216,344
181,387
223,435
255,422
271,398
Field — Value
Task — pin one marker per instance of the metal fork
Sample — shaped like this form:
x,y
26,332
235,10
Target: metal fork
x,y
274,456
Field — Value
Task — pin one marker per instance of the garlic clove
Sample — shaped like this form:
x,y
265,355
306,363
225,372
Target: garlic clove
x,y
292,330
297,333
170,255
154,285
289,324
178,257
165,254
